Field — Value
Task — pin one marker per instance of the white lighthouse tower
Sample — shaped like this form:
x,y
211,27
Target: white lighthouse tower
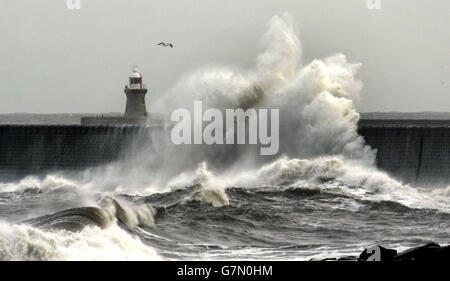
x,y
135,110
135,91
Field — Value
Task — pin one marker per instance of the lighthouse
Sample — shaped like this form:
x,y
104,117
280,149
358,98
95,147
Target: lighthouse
x,y
135,109
135,92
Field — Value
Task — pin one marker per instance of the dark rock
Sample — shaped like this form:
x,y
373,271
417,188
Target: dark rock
x,y
377,253
348,258
428,252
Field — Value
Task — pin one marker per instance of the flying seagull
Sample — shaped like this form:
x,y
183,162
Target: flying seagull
x,y
165,44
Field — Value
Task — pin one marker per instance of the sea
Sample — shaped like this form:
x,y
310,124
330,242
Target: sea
x,y
321,196
288,209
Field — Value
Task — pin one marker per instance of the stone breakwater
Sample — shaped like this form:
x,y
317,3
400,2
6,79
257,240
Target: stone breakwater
x,y
414,151
37,149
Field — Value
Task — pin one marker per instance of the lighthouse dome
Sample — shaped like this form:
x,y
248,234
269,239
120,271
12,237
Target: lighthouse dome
x,y
135,74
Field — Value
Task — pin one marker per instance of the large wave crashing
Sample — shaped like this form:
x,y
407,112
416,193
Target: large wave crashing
x,y
319,141
319,149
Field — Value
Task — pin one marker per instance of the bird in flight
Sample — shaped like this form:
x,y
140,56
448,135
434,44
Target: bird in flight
x,y
164,44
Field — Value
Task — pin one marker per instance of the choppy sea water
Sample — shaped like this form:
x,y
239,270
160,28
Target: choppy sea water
x,y
52,220
289,209
320,197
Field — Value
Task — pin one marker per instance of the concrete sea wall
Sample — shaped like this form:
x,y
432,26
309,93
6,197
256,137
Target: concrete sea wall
x,y
28,149
414,151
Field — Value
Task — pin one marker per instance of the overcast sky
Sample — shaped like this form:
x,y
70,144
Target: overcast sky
x,y
55,60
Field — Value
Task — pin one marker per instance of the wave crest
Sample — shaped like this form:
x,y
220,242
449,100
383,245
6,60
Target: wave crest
x,y
24,242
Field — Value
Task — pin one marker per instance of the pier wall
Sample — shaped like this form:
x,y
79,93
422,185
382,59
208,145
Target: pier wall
x,y
39,149
414,152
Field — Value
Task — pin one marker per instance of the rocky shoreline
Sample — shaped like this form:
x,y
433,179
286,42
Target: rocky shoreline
x,y
426,253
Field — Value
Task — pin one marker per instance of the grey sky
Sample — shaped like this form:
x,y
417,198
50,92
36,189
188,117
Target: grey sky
x,y
55,60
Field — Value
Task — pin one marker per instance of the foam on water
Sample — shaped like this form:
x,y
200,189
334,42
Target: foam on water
x,y
22,242
319,149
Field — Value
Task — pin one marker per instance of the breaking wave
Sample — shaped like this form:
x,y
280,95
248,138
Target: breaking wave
x,y
24,242
322,163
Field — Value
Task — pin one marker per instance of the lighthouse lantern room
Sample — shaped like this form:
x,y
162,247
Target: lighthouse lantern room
x,y
135,92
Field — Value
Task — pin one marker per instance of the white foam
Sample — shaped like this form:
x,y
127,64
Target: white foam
x,y
129,213
21,242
